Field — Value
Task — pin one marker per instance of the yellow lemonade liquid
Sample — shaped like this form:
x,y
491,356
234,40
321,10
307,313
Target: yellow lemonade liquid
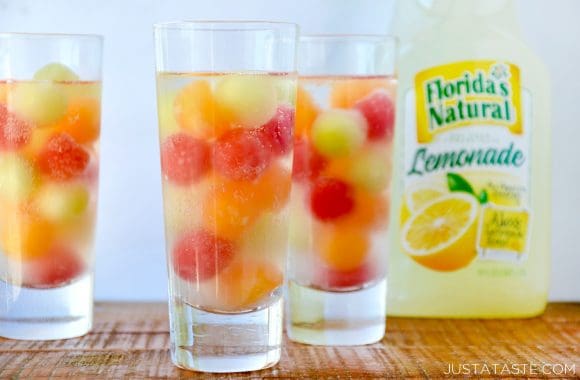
x,y
470,235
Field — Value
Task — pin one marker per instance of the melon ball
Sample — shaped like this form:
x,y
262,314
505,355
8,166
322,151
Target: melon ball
x,y
184,159
14,133
267,237
333,279
338,133
62,158
371,170
241,155
38,102
82,120
199,255
60,265
247,283
249,100
24,237
331,199
181,207
62,202
195,110
343,249
56,72
16,177
379,111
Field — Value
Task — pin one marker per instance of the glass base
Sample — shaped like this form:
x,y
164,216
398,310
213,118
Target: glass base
x,y
211,342
321,317
46,314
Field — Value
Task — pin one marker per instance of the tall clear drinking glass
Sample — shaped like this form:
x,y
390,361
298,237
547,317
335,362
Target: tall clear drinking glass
x,y
340,196
50,98
226,95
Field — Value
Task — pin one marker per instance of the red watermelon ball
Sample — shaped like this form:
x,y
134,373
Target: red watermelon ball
x,y
184,158
379,111
277,133
59,266
199,255
329,278
331,199
241,155
62,158
14,132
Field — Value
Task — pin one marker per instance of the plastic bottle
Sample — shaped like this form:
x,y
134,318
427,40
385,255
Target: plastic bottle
x,y
470,235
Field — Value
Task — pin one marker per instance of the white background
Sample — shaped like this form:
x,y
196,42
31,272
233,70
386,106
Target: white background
x,y
130,250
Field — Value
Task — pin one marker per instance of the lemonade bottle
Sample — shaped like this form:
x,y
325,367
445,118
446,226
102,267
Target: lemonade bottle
x,y
471,199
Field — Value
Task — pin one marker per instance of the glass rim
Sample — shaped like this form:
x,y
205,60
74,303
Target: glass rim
x,y
225,25
349,37
30,35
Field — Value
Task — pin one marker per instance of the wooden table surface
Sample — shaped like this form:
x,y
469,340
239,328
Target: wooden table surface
x,y
130,340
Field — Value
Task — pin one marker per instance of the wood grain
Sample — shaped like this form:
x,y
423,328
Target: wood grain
x,y
130,341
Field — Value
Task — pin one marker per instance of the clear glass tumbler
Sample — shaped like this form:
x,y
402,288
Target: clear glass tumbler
x,y
50,100
226,100
340,195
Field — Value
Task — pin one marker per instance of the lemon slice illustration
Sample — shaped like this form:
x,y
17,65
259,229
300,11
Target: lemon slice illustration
x,y
442,234
418,196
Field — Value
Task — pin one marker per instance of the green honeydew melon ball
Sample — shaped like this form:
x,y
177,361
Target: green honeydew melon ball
x,y
339,133
56,72
249,99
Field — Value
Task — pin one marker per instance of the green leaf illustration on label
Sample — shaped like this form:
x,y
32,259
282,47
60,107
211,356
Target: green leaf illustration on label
x,y
455,182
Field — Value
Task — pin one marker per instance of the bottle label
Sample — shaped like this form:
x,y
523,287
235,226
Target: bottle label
x,y
467,165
